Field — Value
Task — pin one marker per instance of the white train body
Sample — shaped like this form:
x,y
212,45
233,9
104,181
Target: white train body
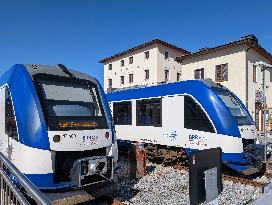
x,y
55,127
193,115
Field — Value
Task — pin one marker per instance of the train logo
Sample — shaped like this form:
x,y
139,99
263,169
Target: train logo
x,y
197,140
91,139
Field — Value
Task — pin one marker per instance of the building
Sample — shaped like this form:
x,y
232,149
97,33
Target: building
x,y
147,64
231,64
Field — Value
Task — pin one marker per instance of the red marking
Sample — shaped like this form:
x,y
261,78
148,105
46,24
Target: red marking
x,y
107,135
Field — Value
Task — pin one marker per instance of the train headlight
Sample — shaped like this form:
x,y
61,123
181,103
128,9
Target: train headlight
x,y
56,138
92,168
107,135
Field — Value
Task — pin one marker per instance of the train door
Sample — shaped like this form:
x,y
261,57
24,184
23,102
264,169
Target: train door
x,y
8,127
11,125
3,135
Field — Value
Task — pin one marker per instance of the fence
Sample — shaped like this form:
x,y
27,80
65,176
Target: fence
x,y
10,194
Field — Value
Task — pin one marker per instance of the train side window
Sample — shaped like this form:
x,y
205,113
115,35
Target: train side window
x,y
194,117
122,113
11,128
149,112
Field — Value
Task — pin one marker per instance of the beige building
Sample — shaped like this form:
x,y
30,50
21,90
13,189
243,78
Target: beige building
x,y
231,64
147,64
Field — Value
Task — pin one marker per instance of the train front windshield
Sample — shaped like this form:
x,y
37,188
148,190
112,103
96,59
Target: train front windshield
x,y
234,106
71,105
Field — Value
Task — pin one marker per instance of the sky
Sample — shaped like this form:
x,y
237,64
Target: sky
x,y
79,33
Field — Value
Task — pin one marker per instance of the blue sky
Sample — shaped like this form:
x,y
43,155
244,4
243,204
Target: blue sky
x,y
79,33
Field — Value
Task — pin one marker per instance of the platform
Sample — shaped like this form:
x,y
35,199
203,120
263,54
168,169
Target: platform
x,y
264,199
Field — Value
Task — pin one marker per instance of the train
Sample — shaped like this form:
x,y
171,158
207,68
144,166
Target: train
x,y
56,127
175,119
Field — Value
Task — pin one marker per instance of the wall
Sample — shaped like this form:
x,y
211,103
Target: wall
x,y
137,68
170,64
253,57
236,59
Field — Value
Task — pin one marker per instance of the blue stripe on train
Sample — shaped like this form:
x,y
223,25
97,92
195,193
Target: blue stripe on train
x,y
46,181
226,157
235,161
29,115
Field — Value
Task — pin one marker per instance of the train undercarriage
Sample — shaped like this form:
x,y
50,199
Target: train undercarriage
x,y
250,162
167,154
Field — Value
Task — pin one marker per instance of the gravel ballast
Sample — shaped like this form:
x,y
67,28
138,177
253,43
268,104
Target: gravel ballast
x,y
166,185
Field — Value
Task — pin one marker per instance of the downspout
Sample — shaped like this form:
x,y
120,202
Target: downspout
x,y
247,72
247,80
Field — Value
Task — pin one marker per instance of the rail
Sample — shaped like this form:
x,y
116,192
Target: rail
x,y
10,194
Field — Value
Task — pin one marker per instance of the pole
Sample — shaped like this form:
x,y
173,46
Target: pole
x,y
264,116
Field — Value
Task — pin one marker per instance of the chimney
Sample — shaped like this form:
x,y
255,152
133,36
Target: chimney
x,y
250,37
203,49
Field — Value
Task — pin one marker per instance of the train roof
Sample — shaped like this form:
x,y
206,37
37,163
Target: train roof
x,y
181,87
33,69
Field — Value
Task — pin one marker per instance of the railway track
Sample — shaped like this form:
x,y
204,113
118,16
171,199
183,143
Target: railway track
x,y
243,181
113,201
106,200
227,177
85,199
100,201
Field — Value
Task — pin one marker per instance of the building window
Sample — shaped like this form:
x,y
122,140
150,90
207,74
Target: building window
x,y
149,112
110,83
221,72
130,78
146,74
199,73
254,74
178,76
166,75
131,60
122,63
166,55
194,117
147,55
11,128
110,66
122,113
122,80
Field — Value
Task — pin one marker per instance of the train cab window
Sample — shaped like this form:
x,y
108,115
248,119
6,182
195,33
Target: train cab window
x,y
149,112
70,104
194,117
122,113
11,128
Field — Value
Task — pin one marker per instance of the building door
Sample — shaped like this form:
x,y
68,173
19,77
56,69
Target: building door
x,y
258,116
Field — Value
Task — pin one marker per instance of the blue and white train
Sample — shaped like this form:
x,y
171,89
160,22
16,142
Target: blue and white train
x,y
185,116
56,128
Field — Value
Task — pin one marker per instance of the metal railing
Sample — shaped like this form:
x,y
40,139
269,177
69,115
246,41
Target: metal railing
x,y
10,194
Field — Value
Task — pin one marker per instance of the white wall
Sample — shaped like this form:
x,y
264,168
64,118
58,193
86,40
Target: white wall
x,y
156,64
170,64
137,68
